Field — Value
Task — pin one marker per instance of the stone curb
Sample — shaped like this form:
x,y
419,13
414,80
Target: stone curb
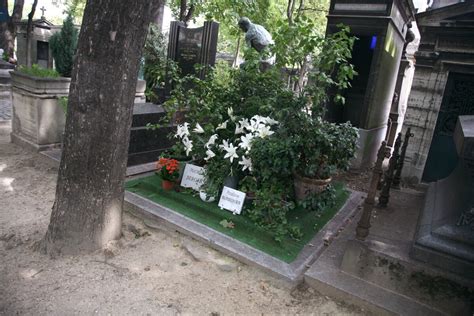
x,y
292,272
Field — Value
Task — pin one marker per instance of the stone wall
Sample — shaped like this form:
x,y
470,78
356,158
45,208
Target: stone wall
x,y
423,106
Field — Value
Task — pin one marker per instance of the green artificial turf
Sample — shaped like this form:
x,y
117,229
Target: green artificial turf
x,y
245,230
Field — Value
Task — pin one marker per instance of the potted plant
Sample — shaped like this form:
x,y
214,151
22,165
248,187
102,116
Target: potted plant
x,y
322,148
168,170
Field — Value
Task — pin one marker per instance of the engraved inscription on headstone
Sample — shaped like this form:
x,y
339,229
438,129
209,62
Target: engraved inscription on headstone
x,y
189,49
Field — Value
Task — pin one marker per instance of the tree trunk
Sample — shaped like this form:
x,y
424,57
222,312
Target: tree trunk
x,y
158,18
29,32
87,211
237,50
8,28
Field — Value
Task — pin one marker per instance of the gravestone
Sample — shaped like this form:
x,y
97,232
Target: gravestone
x,y
187,47
146,144
190,47
445,235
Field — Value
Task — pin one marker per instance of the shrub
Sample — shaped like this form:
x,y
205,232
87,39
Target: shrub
x,y
37,71
63,47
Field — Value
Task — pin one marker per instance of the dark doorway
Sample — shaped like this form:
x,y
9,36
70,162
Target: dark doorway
x,y
42,53
362,55
458,100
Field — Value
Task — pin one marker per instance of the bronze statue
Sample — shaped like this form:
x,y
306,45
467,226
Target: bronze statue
x,y
256,36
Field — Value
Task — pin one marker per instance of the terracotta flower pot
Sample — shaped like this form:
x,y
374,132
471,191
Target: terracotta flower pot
x,y
306,186
167,185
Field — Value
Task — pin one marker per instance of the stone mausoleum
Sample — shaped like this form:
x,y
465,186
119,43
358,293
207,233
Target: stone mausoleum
x,y
442,90
39,42
381,27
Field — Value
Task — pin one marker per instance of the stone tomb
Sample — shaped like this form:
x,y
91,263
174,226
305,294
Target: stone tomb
x,y
146,145
37,118
445,235
381,28
39,42
442,90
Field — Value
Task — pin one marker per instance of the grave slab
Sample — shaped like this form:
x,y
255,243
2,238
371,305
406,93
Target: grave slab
x,y
379,273
445,234
292,272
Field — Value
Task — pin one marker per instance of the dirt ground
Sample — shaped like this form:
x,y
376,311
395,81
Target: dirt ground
x,y
148,272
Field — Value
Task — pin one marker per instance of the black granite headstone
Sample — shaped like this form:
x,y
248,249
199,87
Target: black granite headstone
x,y
191,47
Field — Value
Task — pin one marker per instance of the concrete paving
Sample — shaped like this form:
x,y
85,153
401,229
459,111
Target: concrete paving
x,y
379,273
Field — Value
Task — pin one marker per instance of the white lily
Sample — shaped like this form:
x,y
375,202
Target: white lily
x,y
198,129
258,119
188,145
230,112
239,129
246,163
211,141
222,125
256,123
225,143
231,152
244,123
209,154
182,130
264,131
246,141
270,121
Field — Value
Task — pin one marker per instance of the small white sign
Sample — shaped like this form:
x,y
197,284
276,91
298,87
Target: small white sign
x,y
232,200
193,177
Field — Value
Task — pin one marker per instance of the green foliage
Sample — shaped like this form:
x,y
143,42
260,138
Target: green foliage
x,y
295,232
333,72
217,170
37,71
295,41
63,47
207,100
270,209
320,202
273,156
227,224
323,147
228,13
75,8
271,14
157,68
302,142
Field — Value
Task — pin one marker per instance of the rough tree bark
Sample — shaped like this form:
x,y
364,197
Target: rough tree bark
x,y
29,32
87,210
185,13
7,28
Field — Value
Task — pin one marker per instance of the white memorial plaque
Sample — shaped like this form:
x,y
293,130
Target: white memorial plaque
x,y
193,177
232,200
